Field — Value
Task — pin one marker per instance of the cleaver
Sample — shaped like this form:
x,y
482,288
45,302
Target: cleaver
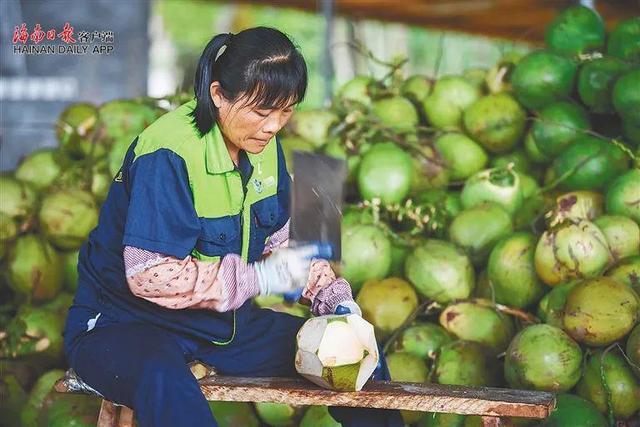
x,y
316,204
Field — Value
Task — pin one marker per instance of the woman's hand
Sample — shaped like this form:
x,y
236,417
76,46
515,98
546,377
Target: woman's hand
x,y
285,270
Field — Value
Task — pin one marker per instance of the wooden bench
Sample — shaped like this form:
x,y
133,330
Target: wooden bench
x,y
489,403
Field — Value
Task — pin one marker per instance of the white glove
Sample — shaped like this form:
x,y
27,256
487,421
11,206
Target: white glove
x,y
286,270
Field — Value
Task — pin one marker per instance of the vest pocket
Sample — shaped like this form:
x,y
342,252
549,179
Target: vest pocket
x,y
219,236
266,212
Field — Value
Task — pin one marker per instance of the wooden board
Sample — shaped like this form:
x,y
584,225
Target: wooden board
x,y
383,394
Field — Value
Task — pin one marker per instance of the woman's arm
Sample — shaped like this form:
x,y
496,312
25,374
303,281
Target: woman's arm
x,y
190,283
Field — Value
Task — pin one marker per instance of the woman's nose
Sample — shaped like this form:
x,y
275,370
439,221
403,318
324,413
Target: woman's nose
x,y
272,125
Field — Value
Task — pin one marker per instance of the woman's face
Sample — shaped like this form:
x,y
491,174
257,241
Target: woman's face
x,y
248,127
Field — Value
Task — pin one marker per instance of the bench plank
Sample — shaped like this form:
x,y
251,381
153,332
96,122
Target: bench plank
x,y
484,401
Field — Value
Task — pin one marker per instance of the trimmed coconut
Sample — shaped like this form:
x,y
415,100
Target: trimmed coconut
x,y
338,352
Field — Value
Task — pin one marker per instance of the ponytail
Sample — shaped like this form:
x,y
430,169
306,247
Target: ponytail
x,y
205,111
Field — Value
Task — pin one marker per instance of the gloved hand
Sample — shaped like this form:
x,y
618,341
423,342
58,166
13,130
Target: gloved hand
x,y
286,269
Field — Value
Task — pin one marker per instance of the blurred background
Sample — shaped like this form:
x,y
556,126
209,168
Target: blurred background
x,y
157,43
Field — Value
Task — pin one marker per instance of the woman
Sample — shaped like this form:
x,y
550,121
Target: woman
x,y
181,246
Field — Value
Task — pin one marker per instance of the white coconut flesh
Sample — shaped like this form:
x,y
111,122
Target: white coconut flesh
x,y
330,346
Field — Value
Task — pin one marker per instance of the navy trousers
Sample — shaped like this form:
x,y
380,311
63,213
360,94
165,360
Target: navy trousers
x,y
145,368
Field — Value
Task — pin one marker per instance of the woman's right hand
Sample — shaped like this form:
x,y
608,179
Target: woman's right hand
x,y
286,269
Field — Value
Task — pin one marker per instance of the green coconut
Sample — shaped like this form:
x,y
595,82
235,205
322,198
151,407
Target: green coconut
x,y
34,269
313,125
386,304
293,143
450,97
100,183
600,311
623,195
396,112
533,204
575,30
572,410
543,77
622,233
123,117
116,155
37,395
35,331
234,414
8,233
40,168
356,90
385,172
626,96
479,323
633,350
558,125
75,130
465,363
532,150
406,367
551,306
70,267
416,88
13,399
422,340
430,170
318,416
624,40
399,253
512,272
496,122
628,272
542,357
67,217
596,79
608,380
477,77
440,271
17,199
478,228
464,157
278,414
518,159
571,251
589,163
577,205
335,148
366,254
69,410
498,185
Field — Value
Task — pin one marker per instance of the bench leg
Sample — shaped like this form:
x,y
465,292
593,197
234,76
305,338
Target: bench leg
x,y
126,417
114,416
108,415
491,421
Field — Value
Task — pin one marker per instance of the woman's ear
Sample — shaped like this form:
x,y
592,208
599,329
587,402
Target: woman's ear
x,y
216,94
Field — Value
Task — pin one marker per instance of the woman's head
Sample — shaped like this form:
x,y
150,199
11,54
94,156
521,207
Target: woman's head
x,y
248,83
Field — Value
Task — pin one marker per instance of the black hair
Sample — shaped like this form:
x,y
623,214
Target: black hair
x,y
260,64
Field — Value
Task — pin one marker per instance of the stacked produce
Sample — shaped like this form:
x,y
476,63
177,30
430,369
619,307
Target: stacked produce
x,y
491,234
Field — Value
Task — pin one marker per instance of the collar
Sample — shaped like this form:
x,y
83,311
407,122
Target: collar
x,y
217,158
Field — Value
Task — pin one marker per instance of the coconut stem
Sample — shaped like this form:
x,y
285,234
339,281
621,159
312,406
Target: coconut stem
x,y
515,312
408,321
